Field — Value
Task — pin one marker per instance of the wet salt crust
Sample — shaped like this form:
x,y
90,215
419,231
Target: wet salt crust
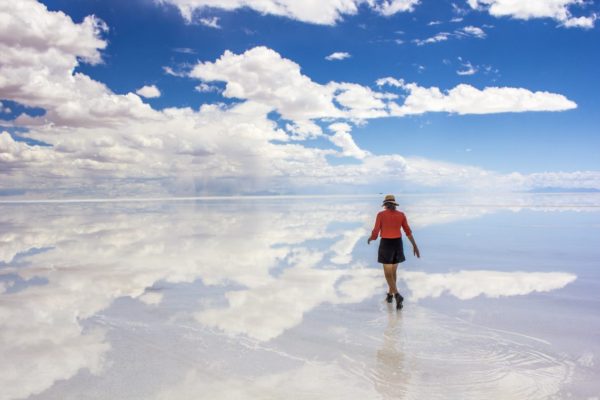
x,y
283,298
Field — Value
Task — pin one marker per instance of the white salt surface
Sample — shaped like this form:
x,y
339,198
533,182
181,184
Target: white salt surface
x,y
282,298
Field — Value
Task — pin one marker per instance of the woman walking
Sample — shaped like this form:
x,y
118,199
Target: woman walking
x,y
391,252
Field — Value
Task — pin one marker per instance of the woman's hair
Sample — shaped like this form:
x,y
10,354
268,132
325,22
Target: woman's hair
x,y
390,206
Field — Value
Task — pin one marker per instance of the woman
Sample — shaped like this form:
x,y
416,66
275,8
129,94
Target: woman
x,y
391,252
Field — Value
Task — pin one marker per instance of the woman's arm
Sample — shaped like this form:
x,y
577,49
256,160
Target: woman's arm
x,y
415,248
376,229
410,237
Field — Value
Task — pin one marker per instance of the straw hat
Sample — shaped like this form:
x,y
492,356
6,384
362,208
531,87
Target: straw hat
x,y
390,199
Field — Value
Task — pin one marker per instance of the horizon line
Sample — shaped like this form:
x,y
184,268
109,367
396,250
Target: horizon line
x,y
258,197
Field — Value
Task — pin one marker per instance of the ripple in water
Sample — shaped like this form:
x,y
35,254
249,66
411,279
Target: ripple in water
x,y
424,355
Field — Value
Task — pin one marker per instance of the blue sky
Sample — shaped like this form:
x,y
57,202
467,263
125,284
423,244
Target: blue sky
x,y
547,52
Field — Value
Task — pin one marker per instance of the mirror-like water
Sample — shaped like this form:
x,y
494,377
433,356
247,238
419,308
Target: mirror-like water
x,y
269,298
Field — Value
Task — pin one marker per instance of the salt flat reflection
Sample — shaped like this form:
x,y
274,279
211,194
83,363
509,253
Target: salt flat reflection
x,y
414,355
273,261
469,284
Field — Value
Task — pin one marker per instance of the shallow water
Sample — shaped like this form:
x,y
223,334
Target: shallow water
x,y
270,298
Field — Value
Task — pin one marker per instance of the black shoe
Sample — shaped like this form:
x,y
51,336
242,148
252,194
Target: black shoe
x,y
389,298
399,300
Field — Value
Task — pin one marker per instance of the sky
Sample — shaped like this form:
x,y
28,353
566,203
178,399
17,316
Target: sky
x,y
105,98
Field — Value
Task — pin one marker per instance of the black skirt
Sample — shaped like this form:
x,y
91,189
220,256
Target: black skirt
x,y
391,251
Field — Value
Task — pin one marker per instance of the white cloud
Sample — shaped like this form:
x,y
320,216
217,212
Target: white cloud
x,y
303,129
581,22
468,69
206,88
559,10
473,31
344,140
440,37
40,51
180,72
324,12
102,143
391,7
54,33
577,179
360,101
149,91
399,83
466,99
467,31
459,11
151,298
212,22
338,55
262,75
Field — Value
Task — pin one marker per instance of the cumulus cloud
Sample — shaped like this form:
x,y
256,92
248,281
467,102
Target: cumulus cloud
x,y
559,10
262,75
40,51
338,55
399,83
344,140
466,99
391,7
580,22
149,91
103,143
327,12
55,33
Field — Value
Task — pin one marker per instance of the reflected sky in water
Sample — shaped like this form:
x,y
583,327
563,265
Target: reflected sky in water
x,y
282,297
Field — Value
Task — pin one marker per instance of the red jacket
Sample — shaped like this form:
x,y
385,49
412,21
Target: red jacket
x,y
388,222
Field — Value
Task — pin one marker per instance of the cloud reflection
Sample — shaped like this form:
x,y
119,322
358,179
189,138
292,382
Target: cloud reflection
x,y
469,284
273,260
98,253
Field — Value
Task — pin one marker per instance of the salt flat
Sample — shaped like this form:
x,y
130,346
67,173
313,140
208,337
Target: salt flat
x,y
269,298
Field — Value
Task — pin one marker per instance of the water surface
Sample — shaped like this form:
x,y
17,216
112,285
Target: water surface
x,y
269,298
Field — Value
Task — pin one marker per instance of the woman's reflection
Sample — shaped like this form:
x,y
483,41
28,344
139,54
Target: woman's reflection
x,y
391,376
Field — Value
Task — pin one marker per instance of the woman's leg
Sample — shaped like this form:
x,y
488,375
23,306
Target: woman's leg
x,y
394,269
390,276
